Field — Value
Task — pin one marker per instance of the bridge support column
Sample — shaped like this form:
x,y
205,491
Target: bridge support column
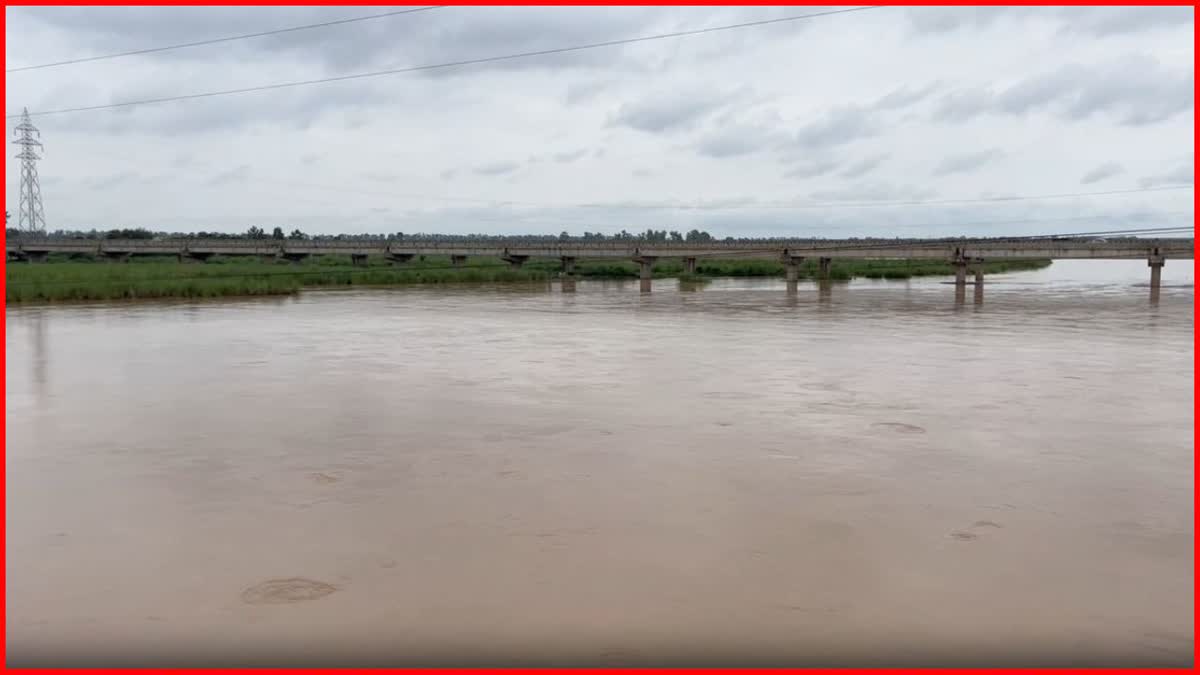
x,y
960,281
979,285
824,291
294,258
458,260
1155,263
399,258
358,259
514,261
568,275
792,267
116,257
689,266
824,267
645,272
36,256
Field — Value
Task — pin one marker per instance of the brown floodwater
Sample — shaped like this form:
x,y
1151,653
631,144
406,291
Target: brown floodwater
x,y
865,474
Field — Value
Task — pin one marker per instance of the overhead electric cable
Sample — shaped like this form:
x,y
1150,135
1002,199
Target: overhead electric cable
x,y
230,38
449,64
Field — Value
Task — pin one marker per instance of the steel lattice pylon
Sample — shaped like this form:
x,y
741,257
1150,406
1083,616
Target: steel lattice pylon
x,y
30,217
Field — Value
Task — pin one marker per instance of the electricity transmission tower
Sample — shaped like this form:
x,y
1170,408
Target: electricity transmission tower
x,y
30,216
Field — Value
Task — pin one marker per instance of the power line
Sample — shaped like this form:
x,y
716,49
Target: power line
x,y
453,64
1143,230
230,38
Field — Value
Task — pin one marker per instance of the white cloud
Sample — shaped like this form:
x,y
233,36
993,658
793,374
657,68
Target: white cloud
x,y
1102,172
967,161
886,105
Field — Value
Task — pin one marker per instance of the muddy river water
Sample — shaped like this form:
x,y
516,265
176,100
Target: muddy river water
x,y
864,474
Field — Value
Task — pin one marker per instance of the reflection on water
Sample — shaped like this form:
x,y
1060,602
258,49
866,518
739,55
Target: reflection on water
x,y
856,473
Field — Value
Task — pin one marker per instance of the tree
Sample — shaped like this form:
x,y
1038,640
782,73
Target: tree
x,y
564,236
277,233
675,236
255,232
297,234
129,233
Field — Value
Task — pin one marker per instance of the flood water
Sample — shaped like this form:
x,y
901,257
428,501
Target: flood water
x,y
865,474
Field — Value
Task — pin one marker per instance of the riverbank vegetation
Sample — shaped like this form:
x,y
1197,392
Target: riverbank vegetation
x,y
65,279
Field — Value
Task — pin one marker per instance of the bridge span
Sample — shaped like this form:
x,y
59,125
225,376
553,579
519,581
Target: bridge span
x,y
963,253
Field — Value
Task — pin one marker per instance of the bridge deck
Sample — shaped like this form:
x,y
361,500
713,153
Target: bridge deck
x,y
976,249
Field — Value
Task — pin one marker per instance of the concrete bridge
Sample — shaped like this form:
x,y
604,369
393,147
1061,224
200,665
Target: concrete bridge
x,y
963,253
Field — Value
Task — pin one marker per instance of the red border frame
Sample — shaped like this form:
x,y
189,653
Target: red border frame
x,y
589,671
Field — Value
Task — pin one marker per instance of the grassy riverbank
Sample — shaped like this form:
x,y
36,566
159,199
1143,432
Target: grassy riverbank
x,y
61,280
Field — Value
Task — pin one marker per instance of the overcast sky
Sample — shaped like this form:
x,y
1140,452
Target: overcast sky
x,y
792,129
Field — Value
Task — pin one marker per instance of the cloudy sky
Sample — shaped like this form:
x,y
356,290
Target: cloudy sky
x,y
807,128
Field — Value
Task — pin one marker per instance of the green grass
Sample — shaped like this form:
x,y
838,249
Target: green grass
x,y
61,279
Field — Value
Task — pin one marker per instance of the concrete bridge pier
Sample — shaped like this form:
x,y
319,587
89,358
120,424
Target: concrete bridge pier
x,y
113,257
960,274
1155,262
645,272
792,269
689,266
514,261
399,258
294,258
36,256
960,281
568,278
824,265
978,285
358,259
458,260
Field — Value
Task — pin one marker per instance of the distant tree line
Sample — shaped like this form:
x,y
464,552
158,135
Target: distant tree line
x,y
277,233
255,232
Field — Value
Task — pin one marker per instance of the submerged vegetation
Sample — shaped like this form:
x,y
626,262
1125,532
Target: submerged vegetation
x,y
63,279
